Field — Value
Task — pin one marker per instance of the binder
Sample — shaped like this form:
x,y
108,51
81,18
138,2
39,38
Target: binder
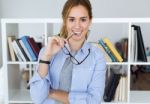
x,y
101,42
34,46
25,41
112,49
111,87
141,54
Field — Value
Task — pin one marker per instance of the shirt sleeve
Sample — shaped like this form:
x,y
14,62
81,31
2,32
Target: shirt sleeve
x,y
39,87
95,91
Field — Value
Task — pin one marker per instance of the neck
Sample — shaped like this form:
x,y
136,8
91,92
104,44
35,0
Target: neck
x,y
75,45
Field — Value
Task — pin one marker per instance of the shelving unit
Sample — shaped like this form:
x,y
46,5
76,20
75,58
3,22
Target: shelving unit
x,y
113,28
138,96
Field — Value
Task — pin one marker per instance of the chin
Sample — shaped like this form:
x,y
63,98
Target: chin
x,y
78,38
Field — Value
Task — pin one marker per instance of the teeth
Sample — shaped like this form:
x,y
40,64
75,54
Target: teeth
x,y
77,33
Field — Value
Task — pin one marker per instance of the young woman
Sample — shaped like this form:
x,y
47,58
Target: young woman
x,y
70,70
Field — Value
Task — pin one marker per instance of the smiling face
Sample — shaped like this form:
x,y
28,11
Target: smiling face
x,y
78,23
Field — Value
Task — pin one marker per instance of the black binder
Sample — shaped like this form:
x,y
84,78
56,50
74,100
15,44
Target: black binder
x,y
111,87
141,55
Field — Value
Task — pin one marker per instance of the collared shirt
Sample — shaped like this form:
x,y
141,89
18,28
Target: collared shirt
x,y
66,75
88,78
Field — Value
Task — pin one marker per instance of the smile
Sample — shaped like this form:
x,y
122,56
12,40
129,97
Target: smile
x,y
77,33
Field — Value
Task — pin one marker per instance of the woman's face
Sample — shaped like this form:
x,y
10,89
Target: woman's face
x,y
78,23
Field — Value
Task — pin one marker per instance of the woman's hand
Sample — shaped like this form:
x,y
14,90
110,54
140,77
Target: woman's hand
x,y
54,45
59,95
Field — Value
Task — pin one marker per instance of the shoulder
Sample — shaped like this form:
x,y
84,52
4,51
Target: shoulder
x,y
96,51
98,56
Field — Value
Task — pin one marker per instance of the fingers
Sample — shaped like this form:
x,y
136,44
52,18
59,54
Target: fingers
x,y
59,41
65,41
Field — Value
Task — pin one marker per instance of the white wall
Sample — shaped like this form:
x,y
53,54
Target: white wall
x,y
31,8
0,35
121,8
1,71
52,8
1,86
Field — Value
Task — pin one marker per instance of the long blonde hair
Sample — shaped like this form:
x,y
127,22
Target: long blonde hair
x,y
66,10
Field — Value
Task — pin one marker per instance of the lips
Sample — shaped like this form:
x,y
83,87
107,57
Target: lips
x,y
77,33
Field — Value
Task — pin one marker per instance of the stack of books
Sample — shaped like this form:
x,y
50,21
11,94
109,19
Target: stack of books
x,y
111,54
23,49
116,84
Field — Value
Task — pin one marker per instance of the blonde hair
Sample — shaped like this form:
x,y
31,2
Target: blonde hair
x,y
66,10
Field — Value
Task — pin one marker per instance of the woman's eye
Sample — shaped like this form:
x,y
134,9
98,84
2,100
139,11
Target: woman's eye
x,y
83,20
71,20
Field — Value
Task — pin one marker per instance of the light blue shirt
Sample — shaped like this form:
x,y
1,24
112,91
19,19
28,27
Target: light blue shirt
x,y
88,78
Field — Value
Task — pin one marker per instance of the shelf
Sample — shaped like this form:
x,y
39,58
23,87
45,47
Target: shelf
x,y
140,96
20,96
95,20
117,63
30,20
113,102
140,63
108,63
10,62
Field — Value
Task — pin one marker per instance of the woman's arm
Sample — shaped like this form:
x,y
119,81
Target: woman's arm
x,y
59,95
40,83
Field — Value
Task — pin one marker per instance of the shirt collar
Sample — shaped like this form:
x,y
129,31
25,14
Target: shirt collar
x,y
85,47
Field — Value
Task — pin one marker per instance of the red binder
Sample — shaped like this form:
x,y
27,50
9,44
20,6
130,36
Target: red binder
x,y
34,46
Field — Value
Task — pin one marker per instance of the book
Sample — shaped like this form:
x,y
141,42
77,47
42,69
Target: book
x,y
134,45
118,90
25,49
111,87
19,50
34,46
141,48
22,50
112,49
122,47
107,50
27,45
14,44
106,56
10,48
141,54
125,49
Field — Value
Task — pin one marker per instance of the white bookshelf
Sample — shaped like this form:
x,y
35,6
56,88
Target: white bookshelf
x,y
20,96
14,92
140,96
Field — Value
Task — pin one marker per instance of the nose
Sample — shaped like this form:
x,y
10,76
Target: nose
x,y
77,24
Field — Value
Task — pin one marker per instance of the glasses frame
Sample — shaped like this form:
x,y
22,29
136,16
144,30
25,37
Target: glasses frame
x,y
73,59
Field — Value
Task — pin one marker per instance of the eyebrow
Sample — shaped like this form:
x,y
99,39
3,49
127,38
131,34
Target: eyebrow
x,y
80,17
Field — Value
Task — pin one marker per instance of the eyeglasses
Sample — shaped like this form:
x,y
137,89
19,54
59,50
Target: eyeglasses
x,y
73,59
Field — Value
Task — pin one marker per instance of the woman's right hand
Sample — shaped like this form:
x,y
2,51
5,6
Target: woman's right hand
x,y
54,45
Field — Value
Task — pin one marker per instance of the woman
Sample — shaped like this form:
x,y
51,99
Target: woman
x,y
70,70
